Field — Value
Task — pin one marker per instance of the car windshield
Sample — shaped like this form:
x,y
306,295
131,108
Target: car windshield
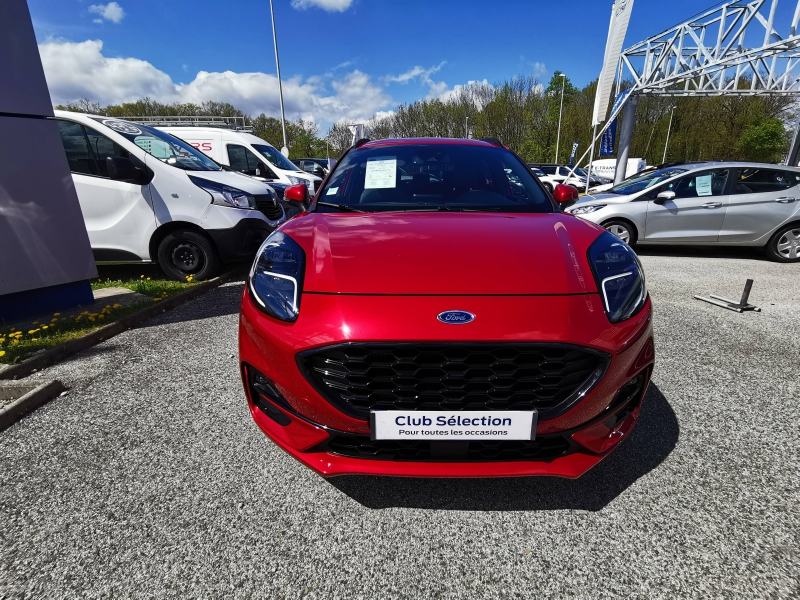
x,y
637,184
431,177
163,146
275,157
580,172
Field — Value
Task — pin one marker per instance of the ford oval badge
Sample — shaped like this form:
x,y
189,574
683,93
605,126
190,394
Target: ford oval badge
x,y
456,317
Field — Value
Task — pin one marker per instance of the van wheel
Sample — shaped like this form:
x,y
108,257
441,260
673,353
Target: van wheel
x,y
183,253
785,245
623,230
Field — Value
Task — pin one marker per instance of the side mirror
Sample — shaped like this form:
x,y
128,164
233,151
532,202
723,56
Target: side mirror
x,y
565,194
664,196
121,169
296,193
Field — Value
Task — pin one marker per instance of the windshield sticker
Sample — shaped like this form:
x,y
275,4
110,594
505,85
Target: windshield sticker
x,y
122,127
703,185
381,174
332,191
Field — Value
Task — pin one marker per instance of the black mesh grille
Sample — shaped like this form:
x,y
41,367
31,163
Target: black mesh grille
x,y
268,206
360,446
360,377
316,185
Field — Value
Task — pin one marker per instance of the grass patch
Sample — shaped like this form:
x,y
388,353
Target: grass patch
x,y
22,341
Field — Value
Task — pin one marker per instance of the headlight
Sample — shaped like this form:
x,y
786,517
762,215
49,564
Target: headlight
x,y
225,195
276,278
583,210
295,180
619,276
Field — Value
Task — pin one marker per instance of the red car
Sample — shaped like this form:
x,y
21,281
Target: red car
x,y
434,313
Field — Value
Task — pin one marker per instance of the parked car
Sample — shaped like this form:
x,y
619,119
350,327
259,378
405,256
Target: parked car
x,y
561,174
245,153
315,166
725,203
548,181
453,323
149,197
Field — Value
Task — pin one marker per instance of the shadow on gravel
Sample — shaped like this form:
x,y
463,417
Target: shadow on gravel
x,y
224,300
651,441
741,253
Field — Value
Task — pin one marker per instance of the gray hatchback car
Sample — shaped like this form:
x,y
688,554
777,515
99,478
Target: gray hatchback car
x,y
725,203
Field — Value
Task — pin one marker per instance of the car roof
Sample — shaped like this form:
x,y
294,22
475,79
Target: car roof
x,y
693,166
411,141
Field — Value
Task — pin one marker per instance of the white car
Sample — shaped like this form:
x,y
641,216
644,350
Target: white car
x,y
149,197
548,181
245,153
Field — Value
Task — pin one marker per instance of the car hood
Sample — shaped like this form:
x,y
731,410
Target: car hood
x,y
248,184
603,198
445,253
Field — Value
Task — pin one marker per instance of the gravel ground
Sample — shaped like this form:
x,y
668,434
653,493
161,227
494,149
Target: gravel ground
x,y
149,479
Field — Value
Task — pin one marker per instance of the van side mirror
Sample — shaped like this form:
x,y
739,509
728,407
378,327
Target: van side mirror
x,y
296,193
664,196
121,169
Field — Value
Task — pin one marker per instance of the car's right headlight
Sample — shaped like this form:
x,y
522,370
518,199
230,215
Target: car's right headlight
x,y
619,277
584,210
276,278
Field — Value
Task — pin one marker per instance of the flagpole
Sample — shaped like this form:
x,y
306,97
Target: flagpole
x,y
591,158
285,149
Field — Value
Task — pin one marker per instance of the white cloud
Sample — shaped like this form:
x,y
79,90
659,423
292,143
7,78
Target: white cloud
x,y
80,70
539,69
329,5
111,11
423,75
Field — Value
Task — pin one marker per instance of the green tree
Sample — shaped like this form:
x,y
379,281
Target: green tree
x,y
765,142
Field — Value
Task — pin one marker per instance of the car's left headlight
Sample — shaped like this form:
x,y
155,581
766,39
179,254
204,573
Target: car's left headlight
x,y
585,210
276,278
619,276
224,195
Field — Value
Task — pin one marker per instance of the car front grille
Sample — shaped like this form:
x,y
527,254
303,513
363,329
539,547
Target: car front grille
x,y
268,207
360,377
316,186
360,446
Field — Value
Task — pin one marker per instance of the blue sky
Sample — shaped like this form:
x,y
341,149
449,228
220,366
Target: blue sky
x,y
339,58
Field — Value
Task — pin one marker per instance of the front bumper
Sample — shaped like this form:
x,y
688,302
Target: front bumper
x,y
242,241
315,432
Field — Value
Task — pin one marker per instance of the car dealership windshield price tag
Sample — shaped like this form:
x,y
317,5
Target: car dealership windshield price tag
x,y
453,425
381,174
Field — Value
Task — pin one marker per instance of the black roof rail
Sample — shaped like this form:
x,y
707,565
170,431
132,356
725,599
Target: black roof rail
x,y
493,142
361,142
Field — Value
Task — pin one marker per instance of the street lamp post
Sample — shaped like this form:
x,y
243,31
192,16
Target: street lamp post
x,y
560,110
669,129
285,149
466,127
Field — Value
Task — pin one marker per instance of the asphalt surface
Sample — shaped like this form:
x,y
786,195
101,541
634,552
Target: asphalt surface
x,y
149,479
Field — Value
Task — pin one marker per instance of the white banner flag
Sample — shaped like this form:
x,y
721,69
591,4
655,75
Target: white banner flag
x,y
620,16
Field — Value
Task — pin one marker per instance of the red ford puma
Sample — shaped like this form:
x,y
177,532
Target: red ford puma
x,y
435,314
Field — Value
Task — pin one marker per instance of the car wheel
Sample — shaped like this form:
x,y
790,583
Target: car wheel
x,y
622,230
183,253
785,245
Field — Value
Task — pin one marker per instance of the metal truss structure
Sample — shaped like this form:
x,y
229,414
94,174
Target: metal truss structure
x,y
744,47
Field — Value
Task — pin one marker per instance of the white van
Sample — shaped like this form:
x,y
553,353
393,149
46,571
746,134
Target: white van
x,y
149,197
245,153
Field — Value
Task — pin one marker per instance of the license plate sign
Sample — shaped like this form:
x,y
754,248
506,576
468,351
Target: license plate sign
x,y
453,425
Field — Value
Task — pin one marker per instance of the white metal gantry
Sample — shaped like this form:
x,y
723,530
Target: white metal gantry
x,y
744,47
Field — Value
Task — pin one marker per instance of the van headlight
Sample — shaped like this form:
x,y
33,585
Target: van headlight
x,y
225,195
585,210
619,276
276,278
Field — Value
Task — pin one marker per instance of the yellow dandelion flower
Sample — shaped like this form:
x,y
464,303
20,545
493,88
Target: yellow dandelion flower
x,y
32,331
156,299
53,320
34,339
2,352
45,326
141,276
118,306
15,342
108,306
148,279
56,314
101,317
2,340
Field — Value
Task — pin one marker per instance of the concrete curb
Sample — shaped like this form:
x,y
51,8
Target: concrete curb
x,y
28,402
59,353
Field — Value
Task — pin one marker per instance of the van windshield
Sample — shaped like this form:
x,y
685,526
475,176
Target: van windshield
x,y
275,157
163,146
